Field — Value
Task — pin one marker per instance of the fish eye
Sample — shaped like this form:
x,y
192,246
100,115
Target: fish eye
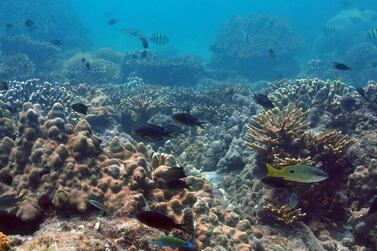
x,y
291,171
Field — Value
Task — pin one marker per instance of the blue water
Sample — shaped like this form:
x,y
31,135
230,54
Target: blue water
x,y
192,25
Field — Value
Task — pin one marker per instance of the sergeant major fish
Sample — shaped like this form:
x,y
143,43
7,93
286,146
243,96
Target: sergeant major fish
x,y
159,38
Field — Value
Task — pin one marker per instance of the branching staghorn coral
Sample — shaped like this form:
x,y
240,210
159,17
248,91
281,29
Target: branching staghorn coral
x,y
273,131
146,103
283,214
282,137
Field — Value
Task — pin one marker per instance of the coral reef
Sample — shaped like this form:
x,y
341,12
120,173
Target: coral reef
x,y
168,71
281,137
64,165
16,66
37,51
8,126
37,92
94,70
283,214
246,43
322,99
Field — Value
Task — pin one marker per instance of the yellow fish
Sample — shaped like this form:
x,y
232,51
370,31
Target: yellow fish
x,y
297,173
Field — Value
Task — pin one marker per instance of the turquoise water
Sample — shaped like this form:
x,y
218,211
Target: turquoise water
x,y
192,25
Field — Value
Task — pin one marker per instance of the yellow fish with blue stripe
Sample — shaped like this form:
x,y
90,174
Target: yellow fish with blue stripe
x,y
297,173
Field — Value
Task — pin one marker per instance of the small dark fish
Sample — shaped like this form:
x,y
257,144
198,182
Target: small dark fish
x,y
144,42
339,123
29,23
80,108
83,60
98,205
188,120
275,182
341,67
177,184
6,178
271,53
56,42
8,201
158,220
263,100
217,48
112,21
373,207
175,173
152,131
4,86
173,129
9,26
360,91
88,66
159,38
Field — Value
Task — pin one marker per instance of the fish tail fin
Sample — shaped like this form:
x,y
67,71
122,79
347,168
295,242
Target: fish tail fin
x,y
201,123
21,196
186,227
271,171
